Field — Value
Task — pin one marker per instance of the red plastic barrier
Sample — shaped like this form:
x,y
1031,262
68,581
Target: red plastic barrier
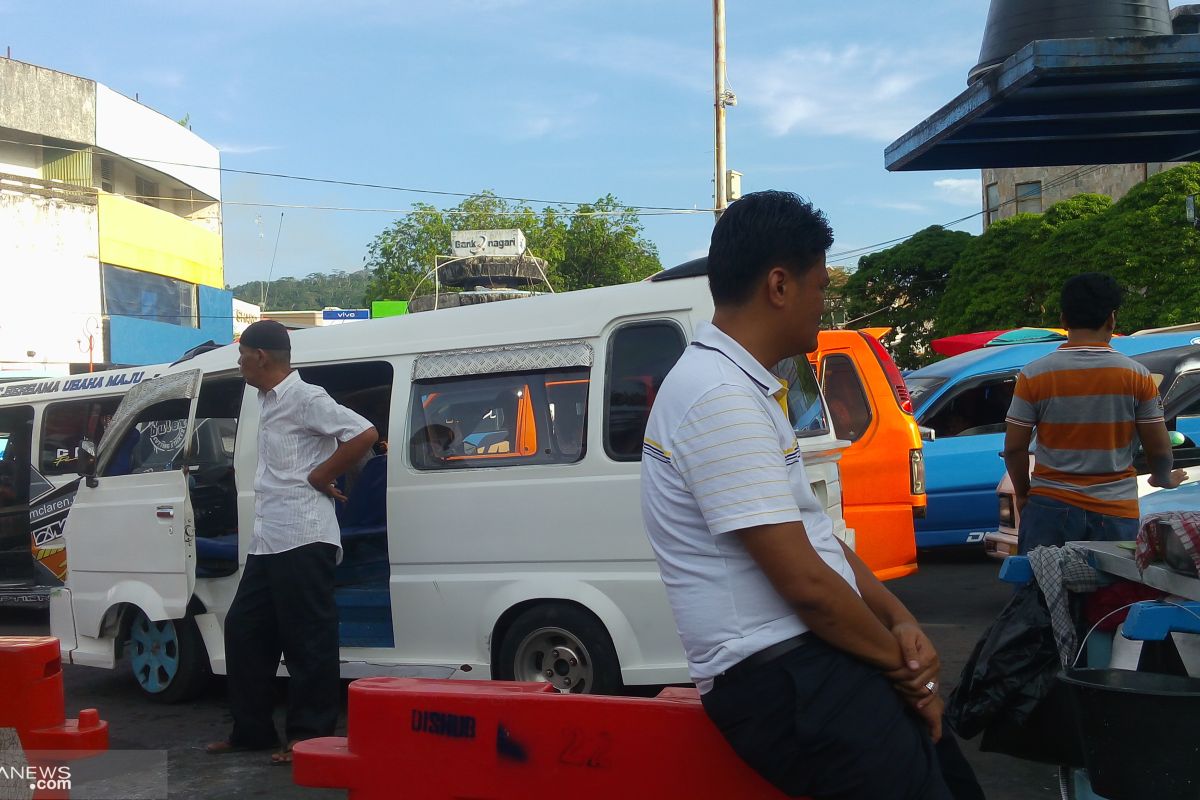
x,y
32,702
490,740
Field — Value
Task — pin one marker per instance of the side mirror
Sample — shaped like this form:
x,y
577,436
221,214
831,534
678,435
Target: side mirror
x,y
927,434
87,462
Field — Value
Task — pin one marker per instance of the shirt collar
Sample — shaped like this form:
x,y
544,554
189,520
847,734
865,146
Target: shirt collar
x,y
281,388
711,337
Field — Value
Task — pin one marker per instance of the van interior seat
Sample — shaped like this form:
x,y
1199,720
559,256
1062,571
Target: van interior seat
x,y
496,442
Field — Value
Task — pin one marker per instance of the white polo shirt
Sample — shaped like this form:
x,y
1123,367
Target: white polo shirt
x,y
719,456
299,428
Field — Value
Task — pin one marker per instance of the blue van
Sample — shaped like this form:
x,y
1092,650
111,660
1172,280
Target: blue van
x,y
964,400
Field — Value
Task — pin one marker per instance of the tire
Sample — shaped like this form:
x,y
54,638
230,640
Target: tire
x,y
564,640
167,658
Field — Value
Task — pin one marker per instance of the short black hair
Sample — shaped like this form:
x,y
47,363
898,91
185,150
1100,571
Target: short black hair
x,y
1089,299
760,231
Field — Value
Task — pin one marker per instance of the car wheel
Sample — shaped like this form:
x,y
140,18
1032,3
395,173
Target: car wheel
x,y
168,658
561,644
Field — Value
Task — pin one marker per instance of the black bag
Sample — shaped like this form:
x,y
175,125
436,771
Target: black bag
x,y
1009,689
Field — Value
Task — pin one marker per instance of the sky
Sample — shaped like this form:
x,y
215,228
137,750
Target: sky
x,y
550,100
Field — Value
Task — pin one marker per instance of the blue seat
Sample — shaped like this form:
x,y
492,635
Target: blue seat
x,y
365,511
217,548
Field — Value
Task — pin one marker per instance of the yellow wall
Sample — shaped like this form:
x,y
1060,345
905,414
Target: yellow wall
x,y
137,236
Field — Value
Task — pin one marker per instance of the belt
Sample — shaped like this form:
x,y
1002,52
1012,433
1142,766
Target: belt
x,y
764,656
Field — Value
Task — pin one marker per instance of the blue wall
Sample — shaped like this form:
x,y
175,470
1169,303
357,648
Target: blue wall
x,y
134,341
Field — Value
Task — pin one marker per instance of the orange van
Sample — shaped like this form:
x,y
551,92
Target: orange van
x,y
883,472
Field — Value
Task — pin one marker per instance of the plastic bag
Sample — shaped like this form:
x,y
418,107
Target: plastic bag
x,y
1013,668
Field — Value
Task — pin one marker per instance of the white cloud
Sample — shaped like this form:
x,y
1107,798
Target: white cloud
x,y
869,92
639,57
901,206
244,149
163,78
959,191
561,119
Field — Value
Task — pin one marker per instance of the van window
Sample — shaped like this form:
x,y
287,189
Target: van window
x,y
65,425
846,397
975,409
154,443
805,407
1184,385
639,357
499,420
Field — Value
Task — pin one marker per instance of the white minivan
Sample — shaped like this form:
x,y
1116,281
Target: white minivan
x,y
499,535
42,423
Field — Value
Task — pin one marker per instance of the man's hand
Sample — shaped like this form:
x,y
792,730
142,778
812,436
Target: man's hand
x,y
921,665
1173,479
931,714
321,482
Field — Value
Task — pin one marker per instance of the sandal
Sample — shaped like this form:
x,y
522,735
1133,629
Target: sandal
x,y
283,758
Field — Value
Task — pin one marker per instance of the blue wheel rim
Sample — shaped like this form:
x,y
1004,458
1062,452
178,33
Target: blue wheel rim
x,y
154,654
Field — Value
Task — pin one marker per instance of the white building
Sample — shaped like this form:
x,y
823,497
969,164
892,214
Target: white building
x,y
110,229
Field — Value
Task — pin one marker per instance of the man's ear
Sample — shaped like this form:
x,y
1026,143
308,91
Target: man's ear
x,y
779,283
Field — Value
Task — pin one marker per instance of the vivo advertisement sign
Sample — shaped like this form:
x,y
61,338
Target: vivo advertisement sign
x,y
345,314
487,243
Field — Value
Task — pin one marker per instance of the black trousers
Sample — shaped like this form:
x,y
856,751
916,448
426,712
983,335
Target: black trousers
x,y
817,722
284,606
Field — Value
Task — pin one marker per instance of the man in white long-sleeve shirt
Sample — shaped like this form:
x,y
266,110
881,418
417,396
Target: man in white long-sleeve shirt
x,y
284,603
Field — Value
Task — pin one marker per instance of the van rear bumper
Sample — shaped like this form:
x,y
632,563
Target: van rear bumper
x,y
24,596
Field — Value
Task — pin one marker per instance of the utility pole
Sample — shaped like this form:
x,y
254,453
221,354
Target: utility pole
x,y
720,195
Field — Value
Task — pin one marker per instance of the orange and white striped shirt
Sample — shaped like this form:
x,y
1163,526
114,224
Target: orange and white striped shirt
x,y
1084,402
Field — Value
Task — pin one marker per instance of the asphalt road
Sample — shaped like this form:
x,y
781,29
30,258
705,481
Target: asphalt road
x,y
955,595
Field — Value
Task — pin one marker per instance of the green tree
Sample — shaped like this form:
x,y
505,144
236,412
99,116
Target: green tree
x,y
1012,274
581,249
316,291
902,286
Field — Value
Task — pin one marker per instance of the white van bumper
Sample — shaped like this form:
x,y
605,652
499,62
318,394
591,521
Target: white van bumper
x,y
78,649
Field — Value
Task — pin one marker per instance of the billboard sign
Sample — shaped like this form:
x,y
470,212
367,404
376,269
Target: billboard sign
x,y
487,243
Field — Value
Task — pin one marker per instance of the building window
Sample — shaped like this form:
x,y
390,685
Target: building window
x,y
639,358
993,202
106,175
1029,197
147,191
499,420
130,293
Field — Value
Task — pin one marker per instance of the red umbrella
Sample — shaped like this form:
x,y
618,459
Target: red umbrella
x,y
963,342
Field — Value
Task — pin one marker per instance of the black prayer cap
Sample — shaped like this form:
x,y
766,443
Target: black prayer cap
x,y
266,334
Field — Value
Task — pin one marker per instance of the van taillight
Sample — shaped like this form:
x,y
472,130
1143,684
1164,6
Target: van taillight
x,y
899,388
916,463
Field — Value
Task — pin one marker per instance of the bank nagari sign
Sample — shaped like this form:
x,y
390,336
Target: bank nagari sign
x,y
487,243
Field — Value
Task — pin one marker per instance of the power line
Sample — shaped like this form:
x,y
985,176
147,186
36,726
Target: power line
x,y
338,182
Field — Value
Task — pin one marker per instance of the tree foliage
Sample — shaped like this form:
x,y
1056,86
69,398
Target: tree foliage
x,y
582,249
902,286
316,291
1012,274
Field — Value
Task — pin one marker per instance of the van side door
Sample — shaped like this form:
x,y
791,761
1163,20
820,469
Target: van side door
x,y
131,533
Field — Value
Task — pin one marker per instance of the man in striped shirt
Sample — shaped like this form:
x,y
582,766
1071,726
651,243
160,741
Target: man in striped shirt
x,y
1089,406
817,676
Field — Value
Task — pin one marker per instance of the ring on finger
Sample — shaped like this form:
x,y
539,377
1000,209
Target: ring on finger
x,y
931,687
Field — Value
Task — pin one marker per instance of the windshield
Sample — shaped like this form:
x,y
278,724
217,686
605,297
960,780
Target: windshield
x,y
805,408
919,389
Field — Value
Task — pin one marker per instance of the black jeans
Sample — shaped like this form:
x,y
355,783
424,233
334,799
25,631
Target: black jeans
x,y
284,605
817,722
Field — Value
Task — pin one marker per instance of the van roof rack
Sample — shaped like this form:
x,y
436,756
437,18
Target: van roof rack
x,y
688,269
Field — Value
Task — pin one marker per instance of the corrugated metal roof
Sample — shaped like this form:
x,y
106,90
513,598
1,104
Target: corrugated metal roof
x,y
1068,101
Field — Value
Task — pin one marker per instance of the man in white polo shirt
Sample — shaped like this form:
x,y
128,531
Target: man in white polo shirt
x,y
817,675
